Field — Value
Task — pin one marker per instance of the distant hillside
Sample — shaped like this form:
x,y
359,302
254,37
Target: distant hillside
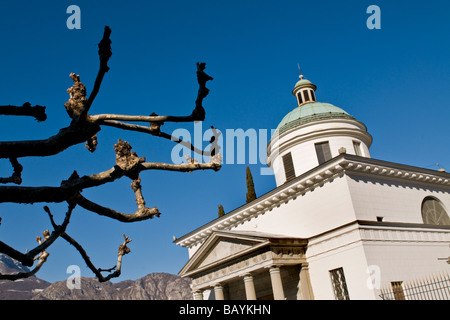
x,y
154,286
23,289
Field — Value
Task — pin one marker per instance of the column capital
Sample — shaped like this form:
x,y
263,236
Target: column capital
x,y
198,295
249,287
248,277
218,291
306,291
274,268
277,283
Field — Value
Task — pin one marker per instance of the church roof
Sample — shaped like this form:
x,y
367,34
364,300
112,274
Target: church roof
x,y
309,112
308,181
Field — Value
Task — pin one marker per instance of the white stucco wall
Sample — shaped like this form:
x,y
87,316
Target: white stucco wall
x,y
373,257
407,261
300,143
349,257
317,211
369,253
394,200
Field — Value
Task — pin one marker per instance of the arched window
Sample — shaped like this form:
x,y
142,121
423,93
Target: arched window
x,y
433,212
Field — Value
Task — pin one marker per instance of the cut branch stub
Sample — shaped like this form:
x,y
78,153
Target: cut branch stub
x,y
202,78
123,249
16,177
104,49
91,143
78,100
125,158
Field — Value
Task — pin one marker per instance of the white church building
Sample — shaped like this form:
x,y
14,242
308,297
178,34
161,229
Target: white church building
x,y
339,224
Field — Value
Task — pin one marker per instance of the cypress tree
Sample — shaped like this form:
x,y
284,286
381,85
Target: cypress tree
x,y
221,211
251,194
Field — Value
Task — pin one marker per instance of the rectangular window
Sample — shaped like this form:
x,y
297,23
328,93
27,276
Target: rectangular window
x,y
313,96
300,100
288,167
339,284
397,289
306,95
323,152
357,147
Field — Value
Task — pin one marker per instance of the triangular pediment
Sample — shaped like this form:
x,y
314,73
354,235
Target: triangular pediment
x,y
221,247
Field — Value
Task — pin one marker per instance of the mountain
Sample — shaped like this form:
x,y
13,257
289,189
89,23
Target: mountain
x,y
22,289
158,286
154,286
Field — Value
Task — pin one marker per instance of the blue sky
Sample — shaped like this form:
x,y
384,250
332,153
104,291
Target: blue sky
x,y
395,80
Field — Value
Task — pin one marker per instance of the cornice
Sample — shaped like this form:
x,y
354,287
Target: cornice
x,y
353,121
320,175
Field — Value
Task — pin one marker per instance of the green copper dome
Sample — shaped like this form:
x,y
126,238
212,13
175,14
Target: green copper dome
x,y
310,112
304,82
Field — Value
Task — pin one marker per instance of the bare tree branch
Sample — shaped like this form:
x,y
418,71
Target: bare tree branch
x,y
28,258
65,138
104,53
102,117
123,250
16,177
156,132
126,165
38,112
21,275
83,129
142,213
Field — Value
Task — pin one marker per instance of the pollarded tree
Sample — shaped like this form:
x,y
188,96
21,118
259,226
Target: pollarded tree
x,y
84,128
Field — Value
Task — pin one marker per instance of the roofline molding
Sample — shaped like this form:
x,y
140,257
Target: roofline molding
x,y
327,172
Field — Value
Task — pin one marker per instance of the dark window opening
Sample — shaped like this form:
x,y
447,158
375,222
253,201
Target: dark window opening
x,y
306,95
357,147
339,284
289,170
300,100
313,96
323,152
397,288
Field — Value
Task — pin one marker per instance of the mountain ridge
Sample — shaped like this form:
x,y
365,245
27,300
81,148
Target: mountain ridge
x,y
154,286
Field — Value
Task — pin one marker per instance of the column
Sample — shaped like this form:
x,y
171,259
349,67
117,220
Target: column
x,y
249,287
198,295
218,292
277,285
306,292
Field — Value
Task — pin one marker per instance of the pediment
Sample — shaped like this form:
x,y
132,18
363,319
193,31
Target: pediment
x,y
221,247
224,248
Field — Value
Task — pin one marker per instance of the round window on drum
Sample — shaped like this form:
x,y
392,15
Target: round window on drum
x,y
433,212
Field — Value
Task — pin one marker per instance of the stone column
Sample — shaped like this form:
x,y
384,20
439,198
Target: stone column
x,y
198,295
218,292
277,285
249,287
305,288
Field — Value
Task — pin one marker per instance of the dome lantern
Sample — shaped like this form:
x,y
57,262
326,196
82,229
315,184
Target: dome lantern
x,y
304,91
312,134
